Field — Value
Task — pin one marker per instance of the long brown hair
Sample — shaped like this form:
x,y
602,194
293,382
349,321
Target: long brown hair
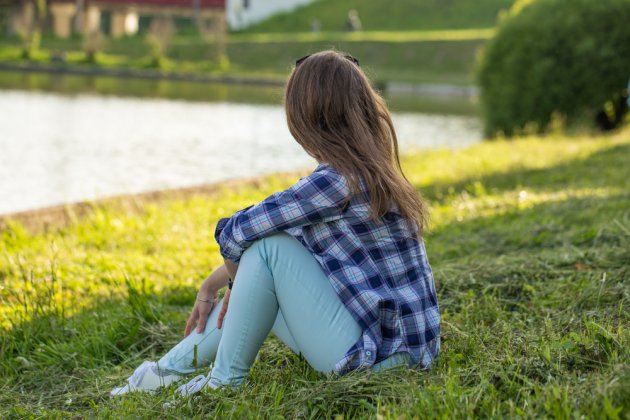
x,y
338,118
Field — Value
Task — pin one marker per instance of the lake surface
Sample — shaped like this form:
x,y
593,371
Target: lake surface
x,y
57,148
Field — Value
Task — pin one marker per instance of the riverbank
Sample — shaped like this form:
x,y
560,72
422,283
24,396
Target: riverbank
x,y
416,57
58,217
426,99
529,243
405,89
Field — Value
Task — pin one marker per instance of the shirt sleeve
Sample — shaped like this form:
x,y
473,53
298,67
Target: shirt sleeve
x,y
317,198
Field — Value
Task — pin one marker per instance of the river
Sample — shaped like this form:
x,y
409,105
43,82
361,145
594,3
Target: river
x,y
57,148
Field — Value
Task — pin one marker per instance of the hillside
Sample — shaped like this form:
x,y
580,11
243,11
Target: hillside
x,y
406,41
398,15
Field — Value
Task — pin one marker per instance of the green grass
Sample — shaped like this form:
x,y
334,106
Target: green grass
x,y
530,244
363,36
398,15
435,61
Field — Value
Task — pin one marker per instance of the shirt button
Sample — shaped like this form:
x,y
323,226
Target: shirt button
x,y
368,353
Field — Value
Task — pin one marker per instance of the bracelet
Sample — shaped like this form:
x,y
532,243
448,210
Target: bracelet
x,y
230,284
206,300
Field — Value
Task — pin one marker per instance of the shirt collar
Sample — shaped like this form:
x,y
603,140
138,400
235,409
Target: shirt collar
x,y
321,167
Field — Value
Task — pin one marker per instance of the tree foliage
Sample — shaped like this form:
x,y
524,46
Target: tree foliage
x,y
566,58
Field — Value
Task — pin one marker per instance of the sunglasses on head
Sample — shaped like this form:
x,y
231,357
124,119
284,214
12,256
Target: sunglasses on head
x,y
346,56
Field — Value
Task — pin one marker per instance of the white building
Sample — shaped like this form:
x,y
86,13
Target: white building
x,y
243,13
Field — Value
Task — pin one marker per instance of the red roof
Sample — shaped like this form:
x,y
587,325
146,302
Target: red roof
x,y
167,3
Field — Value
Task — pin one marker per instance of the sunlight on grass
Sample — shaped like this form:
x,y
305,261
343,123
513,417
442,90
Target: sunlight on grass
x,y
466,207
363,36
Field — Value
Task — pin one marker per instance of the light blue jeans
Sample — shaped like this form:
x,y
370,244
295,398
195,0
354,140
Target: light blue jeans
x,y
281,288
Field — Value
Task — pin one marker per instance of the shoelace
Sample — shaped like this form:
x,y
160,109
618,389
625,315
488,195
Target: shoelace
x,y
196,384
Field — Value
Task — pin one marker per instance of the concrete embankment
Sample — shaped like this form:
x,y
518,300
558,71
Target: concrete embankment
x,y
393,88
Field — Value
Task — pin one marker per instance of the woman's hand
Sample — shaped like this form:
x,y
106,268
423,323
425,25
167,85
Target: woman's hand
x,y
206,300
200,313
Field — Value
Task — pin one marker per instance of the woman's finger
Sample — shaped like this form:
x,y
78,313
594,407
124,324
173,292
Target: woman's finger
x,y
224,308
204,313
222,315
192,320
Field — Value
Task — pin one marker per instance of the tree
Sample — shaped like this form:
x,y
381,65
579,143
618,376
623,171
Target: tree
x,y
566,58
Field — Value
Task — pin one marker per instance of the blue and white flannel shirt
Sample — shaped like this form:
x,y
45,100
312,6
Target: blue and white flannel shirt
x,y
379,269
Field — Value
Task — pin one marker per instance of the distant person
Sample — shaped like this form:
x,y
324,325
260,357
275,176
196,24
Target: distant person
x,y
335,266
316,26
353,23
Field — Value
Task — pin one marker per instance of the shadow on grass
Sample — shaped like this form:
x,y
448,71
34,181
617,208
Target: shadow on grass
x,y
66,362
553,242
608,168
590,221
59,363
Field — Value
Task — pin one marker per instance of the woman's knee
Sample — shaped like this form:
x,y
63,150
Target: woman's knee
x,y
280,240
273,246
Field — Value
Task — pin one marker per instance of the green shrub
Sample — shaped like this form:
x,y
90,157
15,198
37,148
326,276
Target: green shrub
x,y
564,58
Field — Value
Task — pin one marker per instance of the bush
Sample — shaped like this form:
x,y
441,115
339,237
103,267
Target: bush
x,y
564,58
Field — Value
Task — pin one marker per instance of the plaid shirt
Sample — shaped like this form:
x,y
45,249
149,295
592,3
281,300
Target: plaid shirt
x,y
379,270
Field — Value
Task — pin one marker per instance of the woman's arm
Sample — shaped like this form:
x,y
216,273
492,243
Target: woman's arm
x,y
207,299
320,197
231,269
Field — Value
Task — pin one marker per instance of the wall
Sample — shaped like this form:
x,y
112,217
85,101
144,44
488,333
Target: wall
x,y
243,13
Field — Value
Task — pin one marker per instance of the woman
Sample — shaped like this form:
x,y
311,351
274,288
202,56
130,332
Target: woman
x,y
334,266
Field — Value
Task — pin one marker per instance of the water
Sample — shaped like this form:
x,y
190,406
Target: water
x,y
56,148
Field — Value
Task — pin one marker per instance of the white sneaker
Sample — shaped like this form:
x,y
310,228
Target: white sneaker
x,y
147,377
197,384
